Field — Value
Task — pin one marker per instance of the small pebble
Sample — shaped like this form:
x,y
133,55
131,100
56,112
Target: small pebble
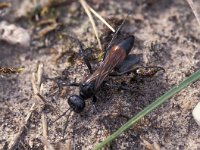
x,y
14,34
196,113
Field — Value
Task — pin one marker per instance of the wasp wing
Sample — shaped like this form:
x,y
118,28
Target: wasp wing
x,y
115,57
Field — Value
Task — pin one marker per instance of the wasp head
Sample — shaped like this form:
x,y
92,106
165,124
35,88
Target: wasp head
x,y
76,103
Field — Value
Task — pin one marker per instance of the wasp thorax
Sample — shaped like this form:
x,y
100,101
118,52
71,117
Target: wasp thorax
x,y
87,90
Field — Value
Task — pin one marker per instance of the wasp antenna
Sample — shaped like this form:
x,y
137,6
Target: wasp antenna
x,y
65,124
73,84
85,59
63,114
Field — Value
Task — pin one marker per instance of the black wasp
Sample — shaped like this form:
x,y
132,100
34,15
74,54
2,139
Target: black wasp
x,y
115,57
117,61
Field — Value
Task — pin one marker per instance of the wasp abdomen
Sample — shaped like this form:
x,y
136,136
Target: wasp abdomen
x,y
127,44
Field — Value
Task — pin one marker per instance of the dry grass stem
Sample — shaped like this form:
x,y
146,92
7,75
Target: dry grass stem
x,y
44,128
36,83
34,86
48,29
191,3
85,6
39,75
101,18
35,89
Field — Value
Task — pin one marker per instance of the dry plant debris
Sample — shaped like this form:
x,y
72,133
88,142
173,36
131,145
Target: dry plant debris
x,y
15,140
36,88
52,25
5,5
86,8
10,70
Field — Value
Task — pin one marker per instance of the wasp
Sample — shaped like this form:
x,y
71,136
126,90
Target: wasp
x,y
117,61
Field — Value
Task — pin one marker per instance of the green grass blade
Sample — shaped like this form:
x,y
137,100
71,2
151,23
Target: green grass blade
x,y
194,77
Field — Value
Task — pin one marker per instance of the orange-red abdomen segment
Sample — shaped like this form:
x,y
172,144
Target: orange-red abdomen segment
x,y
127,44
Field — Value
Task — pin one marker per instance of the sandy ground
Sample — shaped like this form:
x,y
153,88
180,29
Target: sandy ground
x,y
166,35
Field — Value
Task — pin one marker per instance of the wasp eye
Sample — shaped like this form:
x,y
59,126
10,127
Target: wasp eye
x,y
76,103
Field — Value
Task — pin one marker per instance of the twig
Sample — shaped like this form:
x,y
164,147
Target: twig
x,y
34,80
36,91
34,86
101,18
22,129
191,3
48,29
44,128
85,6
39,75
41,97
44,124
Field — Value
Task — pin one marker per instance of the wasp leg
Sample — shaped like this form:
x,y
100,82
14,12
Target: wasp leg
x,y
130,65
127,66
148,71
85,59
94,99
141,71
61,82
